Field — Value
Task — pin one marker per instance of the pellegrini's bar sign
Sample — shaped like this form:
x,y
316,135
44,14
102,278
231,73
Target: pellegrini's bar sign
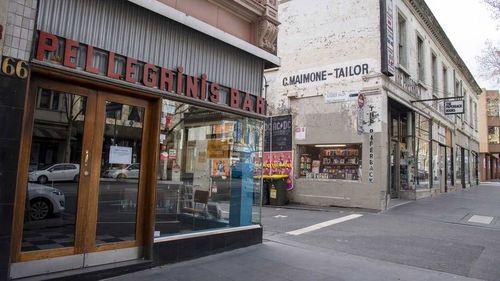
x,y
68,53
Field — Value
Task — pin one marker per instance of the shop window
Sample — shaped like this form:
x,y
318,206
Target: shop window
x,y
209,172
466,166
423,163
422,153
458,166
337,161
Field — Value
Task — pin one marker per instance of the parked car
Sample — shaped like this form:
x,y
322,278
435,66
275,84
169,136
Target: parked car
x,y
44,201
56,172
130,172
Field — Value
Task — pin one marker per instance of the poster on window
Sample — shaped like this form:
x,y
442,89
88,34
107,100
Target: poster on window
x,y
279,164
120,155
220,168
278,133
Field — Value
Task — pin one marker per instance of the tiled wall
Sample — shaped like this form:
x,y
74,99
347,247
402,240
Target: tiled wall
x,y
19,29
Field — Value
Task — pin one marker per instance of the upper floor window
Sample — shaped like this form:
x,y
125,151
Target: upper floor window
x,y
434,72
402,46
48,100
445,81
420,58
471,112
475,116
492,104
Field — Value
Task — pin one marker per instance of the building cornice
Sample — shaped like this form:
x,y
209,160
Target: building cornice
x,y
267,31
425,13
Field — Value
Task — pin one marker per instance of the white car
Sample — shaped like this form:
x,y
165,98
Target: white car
x,y
130,172
44,201
56,172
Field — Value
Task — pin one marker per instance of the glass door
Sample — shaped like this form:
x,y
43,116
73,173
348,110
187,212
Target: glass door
x,y
120,179
395,169
82,193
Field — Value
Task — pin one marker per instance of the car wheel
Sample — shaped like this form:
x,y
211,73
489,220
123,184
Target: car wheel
x,y
76,178
42,179
121,176
40,209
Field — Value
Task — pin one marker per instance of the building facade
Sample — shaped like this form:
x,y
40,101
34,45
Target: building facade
x,y
354,75
132,132
489,134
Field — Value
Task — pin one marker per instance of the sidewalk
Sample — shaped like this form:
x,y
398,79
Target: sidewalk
x,y
275,261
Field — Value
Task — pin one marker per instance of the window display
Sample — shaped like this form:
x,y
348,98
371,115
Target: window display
x,y
209,172
330,162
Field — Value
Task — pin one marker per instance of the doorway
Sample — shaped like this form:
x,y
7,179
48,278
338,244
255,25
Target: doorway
x,y
79,204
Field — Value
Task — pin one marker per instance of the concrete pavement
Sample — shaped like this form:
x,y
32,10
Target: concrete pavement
x,y
430,239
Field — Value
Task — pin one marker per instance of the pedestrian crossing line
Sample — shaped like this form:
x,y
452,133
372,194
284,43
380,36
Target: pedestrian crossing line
x,y
323,224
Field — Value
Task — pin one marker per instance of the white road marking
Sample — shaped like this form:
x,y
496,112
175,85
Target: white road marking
x,y
280,216
323,224
481,219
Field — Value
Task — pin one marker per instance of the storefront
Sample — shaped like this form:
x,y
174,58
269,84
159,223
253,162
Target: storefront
x,y
128,156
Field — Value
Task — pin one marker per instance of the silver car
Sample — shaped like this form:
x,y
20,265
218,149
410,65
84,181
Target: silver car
x,y
130,172
44,201
56,172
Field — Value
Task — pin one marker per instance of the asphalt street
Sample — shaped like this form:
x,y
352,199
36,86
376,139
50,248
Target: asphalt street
x,y
453,236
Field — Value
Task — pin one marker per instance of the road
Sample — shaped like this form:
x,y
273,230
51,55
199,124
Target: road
x,y
430,239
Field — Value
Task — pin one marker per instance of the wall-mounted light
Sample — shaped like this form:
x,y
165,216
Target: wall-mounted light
x,y
330,145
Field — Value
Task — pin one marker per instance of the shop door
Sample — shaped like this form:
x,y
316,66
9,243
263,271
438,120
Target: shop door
x,y
93,214
395,169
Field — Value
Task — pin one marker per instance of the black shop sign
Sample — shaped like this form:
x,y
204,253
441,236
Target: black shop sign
x,y
278,133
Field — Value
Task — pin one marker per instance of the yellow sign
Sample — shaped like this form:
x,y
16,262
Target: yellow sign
x,y
218,149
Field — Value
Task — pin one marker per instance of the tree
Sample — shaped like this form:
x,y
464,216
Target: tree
x,y
73,107
489,60
495,7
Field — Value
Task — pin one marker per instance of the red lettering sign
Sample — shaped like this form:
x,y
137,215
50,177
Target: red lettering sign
x,y
150,75
46,43
70,51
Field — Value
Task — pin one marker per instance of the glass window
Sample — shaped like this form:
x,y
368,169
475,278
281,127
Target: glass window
x,y
466,166
420,59
434,72
423,162
458,166
209,172
449,166
402,41
494,135
335,161
422,126
492,106
44,99
436,165
445,81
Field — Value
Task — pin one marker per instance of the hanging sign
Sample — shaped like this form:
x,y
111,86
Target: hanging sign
x,y
120,155
454,107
